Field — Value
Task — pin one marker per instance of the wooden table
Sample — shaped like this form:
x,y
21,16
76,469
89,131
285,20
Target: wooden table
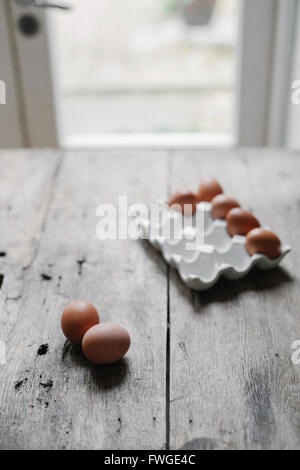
x,y
209,370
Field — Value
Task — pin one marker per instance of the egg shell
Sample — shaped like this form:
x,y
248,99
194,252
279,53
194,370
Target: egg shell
x,y
221,205
105,343
186,203
208,189
77,318
263,241
240,221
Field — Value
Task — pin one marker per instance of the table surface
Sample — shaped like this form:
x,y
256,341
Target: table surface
x,y
210,370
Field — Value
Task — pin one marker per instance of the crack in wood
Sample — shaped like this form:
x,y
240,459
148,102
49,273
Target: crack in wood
x,y
13,299
47,210
168,352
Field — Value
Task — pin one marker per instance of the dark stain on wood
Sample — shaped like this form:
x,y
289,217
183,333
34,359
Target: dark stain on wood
x,y
46,277
80,263
20,383
47,385
59,281
43,349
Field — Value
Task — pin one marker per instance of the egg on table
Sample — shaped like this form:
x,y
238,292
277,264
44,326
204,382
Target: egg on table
x,y
240,221
208,189
77,318
185,203
105,343
221,205
260,240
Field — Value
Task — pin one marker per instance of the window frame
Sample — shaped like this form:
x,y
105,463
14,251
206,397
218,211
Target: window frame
x,y
264,59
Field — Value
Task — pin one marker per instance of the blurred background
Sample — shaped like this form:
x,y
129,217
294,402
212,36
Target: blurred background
x,y
171,72
147,66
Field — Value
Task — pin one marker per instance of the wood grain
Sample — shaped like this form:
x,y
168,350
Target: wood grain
x,y
232,382
219,377
58,400
27,185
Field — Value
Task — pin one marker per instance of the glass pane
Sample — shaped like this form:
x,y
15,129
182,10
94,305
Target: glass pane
x,y
148,66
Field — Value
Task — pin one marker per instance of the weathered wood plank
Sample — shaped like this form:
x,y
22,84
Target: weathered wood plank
x,y
232,381
59,400
27,184
26,188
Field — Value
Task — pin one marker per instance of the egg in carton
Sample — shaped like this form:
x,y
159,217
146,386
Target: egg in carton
x,y
204,252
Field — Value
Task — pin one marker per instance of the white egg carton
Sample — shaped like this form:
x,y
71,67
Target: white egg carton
x,y
217,255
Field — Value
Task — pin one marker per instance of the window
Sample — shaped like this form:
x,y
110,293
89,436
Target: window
x,y
153,66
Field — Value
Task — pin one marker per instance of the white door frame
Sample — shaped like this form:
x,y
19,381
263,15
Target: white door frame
x,y
12,132
31,58
38,81
293,118
265,51
280,91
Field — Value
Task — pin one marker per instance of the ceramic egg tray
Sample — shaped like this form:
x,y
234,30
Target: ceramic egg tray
x,y
218,255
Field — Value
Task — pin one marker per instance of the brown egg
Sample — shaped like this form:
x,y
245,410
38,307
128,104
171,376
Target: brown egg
x,y
105,343
240,222
77,318
208,189
263,241
186,203
221,204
